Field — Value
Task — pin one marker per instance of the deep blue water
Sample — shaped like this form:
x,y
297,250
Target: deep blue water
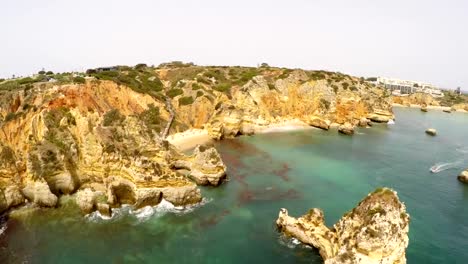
x,y
296,170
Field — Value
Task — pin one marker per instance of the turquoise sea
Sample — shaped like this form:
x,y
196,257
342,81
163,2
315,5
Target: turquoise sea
x,y
295,170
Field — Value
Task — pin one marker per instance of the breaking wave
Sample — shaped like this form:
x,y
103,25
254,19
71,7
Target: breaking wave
x,y
2,229
291,242
143,214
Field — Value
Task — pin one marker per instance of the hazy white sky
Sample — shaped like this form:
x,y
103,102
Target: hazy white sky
x,y
420,39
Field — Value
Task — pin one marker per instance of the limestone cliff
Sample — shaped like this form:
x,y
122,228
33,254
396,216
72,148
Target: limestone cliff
x,y
104,136
422,99
376,231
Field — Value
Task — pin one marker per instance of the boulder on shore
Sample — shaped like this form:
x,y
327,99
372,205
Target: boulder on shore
x,y
346,129
431,131
463,177
381,116
376,231
319,122
364,122
447,111
424,108
40,194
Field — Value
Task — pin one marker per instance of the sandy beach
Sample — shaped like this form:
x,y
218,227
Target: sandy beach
x,y
283,126
189,138
432,107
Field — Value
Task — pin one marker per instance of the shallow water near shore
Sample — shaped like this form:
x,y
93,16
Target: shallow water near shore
x,y
295,170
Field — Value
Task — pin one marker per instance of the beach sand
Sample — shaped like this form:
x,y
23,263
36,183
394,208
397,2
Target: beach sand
x,y
283,126
432,107
189,139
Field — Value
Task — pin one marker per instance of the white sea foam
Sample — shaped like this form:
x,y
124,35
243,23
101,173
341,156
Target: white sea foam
x,y
143,214
463,150
289,242
391,122
3,228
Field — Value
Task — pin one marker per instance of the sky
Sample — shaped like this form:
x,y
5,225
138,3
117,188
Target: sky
x,y
422,40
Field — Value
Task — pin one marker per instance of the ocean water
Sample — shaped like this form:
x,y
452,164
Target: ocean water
x,y
295,170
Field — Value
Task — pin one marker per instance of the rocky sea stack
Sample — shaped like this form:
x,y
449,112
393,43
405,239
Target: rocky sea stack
x,y
376,231
463,177
431,131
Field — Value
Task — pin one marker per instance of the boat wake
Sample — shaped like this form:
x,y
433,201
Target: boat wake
x,y
146,212
438,167
463,150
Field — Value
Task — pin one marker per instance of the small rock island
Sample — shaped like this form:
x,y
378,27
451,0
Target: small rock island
x,y
376,231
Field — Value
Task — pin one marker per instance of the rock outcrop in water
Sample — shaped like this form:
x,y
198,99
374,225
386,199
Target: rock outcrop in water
x,y
431,131
100,139
376,231
463,177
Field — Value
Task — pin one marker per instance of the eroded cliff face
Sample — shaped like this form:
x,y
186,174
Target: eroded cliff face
x,y
98,137
376,231
421,99
315,102
103,139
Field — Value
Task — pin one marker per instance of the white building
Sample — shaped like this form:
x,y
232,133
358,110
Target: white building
x,y
405,87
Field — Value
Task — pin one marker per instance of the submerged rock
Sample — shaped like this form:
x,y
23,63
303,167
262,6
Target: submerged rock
x,y
346,129
431,131
447,111
376,231
463,177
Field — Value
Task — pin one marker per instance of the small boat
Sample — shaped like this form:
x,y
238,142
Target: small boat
x,y
391,122
435,168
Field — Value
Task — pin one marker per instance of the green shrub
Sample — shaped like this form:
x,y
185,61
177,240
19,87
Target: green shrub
x,y
222,87
7,155
2,80
335,88
196,86
112,117
10,116
151,118
186,100
49,73
271,86
26,80
10,85
248,75
199,93
285,74
202,79
106,75
140,66
174,92
79,79
325,103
